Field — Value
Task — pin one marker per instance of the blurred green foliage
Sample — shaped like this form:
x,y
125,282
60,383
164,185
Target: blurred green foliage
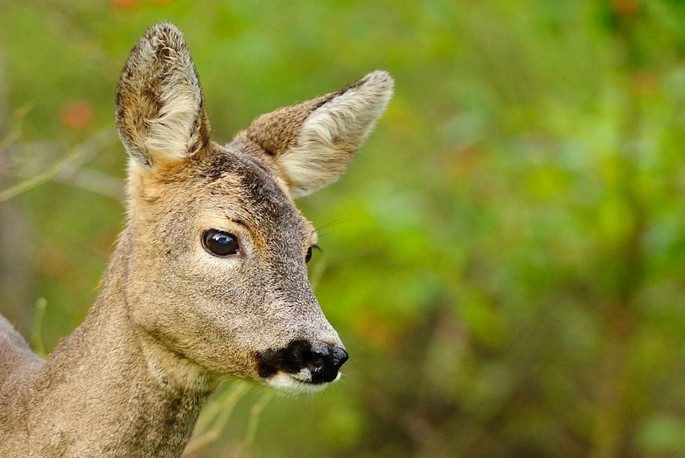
x,y
505,259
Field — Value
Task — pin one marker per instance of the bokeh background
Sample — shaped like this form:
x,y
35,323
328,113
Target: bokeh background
x,y
505,259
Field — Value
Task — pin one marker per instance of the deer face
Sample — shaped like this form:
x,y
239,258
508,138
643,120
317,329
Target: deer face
x,y
217,273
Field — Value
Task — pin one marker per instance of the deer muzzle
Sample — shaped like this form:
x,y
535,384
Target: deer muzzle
x,y
301,365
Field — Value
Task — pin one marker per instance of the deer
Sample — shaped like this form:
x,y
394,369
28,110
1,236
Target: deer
x,y
208,279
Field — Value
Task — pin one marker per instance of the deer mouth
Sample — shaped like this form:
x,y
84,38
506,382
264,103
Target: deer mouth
x,y
301,366
296,383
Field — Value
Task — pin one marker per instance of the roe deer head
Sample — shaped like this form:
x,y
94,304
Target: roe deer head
x,y
207,280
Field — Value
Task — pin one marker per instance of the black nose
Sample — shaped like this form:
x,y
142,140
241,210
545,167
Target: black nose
x,y
324,362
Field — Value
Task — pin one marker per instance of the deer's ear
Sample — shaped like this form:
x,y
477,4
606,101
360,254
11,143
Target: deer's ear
x,y
314,142
160,110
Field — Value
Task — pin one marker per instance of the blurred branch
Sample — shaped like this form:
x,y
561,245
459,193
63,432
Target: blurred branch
x,y
215,417
16,279
94,181
65,168
10,139
14,134
255,415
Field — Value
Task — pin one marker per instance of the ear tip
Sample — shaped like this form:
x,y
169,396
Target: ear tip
x,y
379,85
381,79
164,33
380,75
163,28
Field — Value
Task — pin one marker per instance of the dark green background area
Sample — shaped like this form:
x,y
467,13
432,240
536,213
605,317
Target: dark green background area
x,y
505,260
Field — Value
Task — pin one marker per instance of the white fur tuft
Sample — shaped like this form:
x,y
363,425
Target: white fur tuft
x,y
160,112
297,383
174,131
170,135
331,135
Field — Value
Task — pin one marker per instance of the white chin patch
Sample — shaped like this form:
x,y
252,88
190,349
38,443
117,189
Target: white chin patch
x,y
297,383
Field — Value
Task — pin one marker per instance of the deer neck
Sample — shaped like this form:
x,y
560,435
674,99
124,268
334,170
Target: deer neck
x,y
112,386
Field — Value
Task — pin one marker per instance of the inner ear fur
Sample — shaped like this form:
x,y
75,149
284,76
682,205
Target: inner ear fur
x,y
160,110
313,142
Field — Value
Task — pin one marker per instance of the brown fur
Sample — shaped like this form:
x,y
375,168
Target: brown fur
x,y
171,319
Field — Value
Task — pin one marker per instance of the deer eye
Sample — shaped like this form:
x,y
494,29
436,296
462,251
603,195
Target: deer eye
x,y
308,256
220,243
